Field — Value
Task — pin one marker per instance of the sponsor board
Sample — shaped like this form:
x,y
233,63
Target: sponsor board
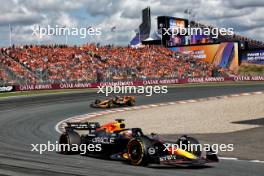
x,y
6,89
253,57
135,83
249,78
223,55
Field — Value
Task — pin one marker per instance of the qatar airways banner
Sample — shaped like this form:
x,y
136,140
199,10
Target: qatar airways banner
x,y
29,87
249,78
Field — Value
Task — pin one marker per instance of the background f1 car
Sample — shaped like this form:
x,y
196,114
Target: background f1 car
x,y
130,144
114,102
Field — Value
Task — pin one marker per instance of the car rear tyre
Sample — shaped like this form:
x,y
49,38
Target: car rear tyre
x,y
69,143
131,103
110,104
97,101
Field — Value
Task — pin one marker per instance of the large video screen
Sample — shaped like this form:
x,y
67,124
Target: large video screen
x,y
175,40
172,23
176,23
183,38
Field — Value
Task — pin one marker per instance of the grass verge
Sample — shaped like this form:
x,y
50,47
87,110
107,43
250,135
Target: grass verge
x,y
43,92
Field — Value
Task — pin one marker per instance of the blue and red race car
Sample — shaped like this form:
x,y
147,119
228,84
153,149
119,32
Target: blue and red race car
x,y
115,141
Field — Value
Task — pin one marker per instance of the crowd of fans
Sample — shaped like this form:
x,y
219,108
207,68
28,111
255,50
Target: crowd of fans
x,y
3,77
12,71
91,63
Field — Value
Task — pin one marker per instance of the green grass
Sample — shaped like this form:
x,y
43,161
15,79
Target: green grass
x,y
43,92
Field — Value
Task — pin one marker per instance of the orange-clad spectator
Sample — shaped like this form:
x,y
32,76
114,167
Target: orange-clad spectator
x,y
53,64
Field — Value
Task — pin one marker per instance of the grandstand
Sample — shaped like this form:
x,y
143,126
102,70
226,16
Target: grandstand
x,y
57,64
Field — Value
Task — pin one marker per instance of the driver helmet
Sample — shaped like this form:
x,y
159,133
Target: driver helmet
x,y
127,133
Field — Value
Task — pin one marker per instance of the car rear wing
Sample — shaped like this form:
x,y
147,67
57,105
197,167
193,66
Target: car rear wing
x,y
91,126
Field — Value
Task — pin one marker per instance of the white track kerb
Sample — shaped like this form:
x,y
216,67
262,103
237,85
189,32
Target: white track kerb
x,y
85,117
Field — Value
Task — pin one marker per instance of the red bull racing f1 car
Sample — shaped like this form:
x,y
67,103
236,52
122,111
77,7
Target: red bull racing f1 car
x,y
115,141
114,102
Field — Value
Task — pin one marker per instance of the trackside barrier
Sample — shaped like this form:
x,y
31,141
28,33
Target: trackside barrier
x,y
29,87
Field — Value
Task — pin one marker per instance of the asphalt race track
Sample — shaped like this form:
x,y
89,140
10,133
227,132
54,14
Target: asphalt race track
x,y
31,120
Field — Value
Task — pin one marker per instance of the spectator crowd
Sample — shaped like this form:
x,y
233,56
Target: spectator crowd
x,y
92,63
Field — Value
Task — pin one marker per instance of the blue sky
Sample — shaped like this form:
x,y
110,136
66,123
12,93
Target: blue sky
x,y
245,16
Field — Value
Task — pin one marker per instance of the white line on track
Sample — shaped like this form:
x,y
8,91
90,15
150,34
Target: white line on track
x,y
236,159
256,161
227,158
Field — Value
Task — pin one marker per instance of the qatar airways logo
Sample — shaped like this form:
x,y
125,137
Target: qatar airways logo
x,y
206,79
119,83
249,78
75,85
165,81
35,87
